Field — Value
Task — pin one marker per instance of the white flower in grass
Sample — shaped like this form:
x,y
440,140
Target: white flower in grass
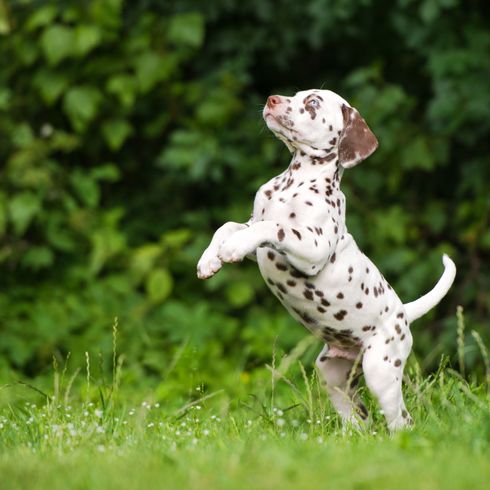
x,y
295,423
99,429
151,424
282,434
101,448
157,405
98,413
280,422
303,436
320,440
2,425
205,432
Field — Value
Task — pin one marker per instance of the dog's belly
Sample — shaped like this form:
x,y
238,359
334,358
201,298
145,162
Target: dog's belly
x,y
342,305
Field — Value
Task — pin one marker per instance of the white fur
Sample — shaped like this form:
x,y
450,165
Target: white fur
x,y
313,265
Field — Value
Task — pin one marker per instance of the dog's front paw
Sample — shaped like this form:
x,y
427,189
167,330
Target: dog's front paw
x,y
208,266
235,248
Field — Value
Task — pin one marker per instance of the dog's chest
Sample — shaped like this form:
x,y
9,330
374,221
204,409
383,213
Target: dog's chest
x,y
295,199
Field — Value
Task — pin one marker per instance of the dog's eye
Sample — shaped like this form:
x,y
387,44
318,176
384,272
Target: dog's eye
x,y
314,103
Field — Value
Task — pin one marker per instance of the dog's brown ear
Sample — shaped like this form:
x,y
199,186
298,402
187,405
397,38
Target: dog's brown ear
x,y
357,141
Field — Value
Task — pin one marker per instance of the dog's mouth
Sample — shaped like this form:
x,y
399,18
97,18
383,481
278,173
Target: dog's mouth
x,y
282,121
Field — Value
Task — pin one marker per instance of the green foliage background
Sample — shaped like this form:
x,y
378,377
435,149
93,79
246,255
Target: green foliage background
x,y
130,130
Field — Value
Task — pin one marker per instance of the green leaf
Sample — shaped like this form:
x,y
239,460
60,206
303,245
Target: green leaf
x,y
50,84
152,68
86,188
81,105
22,210
58,43
106,13
239,294
87,37
124,87
176,238
41,16
159,285
108,172
38,258
115,132
186,29
143,259
23,136
106,243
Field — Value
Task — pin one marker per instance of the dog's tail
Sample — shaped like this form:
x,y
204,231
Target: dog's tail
x,y
421,306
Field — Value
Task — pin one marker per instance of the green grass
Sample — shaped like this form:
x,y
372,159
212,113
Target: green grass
x,y
211,444
283,434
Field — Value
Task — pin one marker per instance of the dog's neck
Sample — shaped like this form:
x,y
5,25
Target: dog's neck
x,y
312,166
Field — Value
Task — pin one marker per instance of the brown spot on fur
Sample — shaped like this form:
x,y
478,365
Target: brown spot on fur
x,y
297,233
340,315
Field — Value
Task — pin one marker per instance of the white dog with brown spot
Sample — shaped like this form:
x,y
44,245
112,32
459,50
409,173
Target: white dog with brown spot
x,y
313,265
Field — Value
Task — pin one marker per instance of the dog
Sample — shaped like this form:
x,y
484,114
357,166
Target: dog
x,y
311,263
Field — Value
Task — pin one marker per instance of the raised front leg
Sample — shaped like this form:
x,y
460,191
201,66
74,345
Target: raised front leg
x,y
307,248
210,263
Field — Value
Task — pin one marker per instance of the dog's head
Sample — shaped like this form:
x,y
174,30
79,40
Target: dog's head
x,y
320,123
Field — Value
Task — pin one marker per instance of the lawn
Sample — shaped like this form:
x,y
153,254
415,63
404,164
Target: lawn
x,y
282,435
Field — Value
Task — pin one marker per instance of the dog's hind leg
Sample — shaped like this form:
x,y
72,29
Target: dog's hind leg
x,y
340,385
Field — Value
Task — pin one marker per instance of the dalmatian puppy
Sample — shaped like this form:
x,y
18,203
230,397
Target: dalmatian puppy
x,y
310,261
